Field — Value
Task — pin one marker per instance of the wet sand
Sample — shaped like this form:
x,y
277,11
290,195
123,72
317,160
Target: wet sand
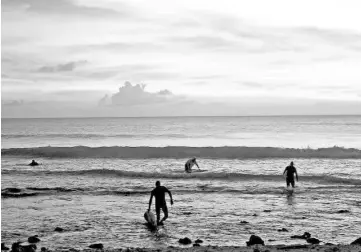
x,y
255,248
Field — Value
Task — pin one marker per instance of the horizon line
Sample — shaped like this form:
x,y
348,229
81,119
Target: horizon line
x,y
111,117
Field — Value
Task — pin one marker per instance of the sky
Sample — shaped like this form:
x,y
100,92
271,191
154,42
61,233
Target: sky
x,y
73,58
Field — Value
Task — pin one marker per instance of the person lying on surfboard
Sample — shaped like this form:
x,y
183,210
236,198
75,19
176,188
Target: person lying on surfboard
x,y
290,170
189,164
159,193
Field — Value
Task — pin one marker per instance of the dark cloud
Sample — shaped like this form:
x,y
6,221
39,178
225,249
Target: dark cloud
x,y
67,67
5,59
129,95
60,7
12,103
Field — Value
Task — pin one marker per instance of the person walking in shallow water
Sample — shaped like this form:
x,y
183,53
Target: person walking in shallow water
x,y
189,164
290,179
159,193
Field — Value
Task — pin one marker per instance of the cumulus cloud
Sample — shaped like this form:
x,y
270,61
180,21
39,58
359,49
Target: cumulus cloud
x,y
104,101
67,67
129,95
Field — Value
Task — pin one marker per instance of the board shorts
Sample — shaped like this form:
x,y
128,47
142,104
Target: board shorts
x,y
290,181
164,209
187,168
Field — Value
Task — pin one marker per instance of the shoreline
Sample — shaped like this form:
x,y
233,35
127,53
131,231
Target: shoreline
x,y
210,248
196,247
254,248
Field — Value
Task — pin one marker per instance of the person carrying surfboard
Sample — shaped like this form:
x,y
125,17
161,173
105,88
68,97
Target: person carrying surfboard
x,y
189,164
159,193
290,170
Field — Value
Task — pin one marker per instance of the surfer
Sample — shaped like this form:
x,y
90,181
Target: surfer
x,y
290,170
189,164
159,193
33,163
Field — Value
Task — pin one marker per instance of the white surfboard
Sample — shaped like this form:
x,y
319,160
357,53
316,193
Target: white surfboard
x,y
150,218
193,171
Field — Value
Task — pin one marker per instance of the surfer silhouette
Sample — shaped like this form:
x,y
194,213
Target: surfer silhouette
x,y
189,164
159,193
290,179
33,163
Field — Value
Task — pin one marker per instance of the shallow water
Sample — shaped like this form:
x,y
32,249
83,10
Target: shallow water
x,y
100,194
103,200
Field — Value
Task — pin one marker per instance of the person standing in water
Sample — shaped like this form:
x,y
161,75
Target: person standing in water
x,y
189,164
159,193
290,179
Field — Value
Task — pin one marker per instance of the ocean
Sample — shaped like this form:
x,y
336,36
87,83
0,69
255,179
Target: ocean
x,y
96,175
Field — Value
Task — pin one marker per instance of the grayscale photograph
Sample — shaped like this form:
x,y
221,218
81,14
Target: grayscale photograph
x,y
190,125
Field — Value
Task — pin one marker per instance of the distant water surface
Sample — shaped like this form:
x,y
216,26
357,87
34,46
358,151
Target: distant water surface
x,y
292,131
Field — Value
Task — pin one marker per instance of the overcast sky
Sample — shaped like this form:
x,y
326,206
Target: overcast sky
x,y
160,58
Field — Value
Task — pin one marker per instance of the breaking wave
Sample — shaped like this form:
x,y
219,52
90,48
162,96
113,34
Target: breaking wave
x,y
231,176
225,152
203,189
90,135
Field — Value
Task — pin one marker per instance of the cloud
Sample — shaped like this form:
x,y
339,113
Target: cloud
x,y
136,72
252,84
234,34
206,42
67,67
104,101
229,33
265,85
239,42
12,103
129,95
347,39
165,92
119,47
60,7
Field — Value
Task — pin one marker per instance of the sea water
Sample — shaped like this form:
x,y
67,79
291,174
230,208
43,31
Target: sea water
x,y
96,175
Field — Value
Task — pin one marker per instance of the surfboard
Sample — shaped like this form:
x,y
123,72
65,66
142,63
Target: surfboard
x,y
198,171
150,218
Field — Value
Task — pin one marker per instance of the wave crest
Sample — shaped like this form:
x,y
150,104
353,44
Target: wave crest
x,y
183,152
225,176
